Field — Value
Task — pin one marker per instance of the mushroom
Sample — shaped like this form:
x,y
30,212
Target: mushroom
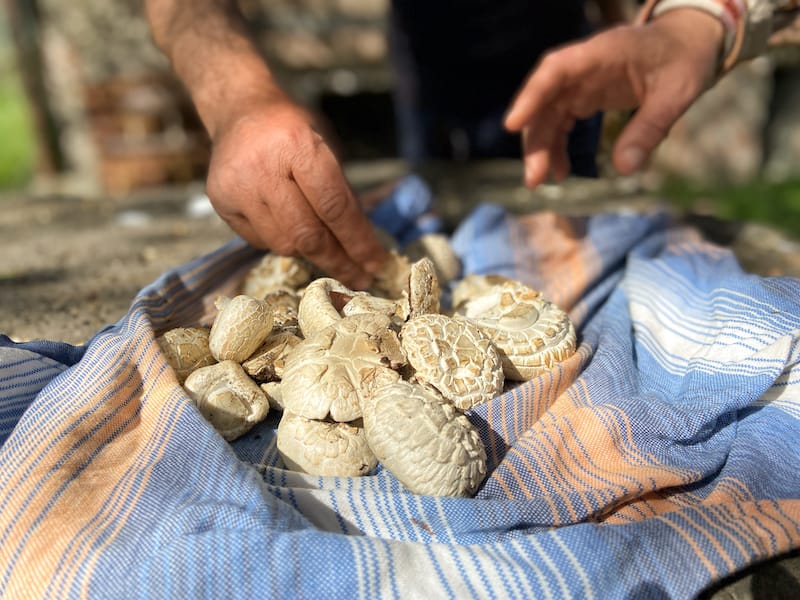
x,y
436,247
274,273
268,362
186,350
392,280
327,375
423,292
231,401
283,305
531,333
321,304
424,441
324,447
364,304
454,357
241,326
475,285
272,390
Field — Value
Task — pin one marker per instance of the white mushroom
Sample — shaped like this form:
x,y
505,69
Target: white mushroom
x,y
454,357
423,294
272,390
186,350
231,401
241,326
274,273
324,448
365,304
475,285
327,375
424,441
321,304
283,305
436,247
268,362
531,333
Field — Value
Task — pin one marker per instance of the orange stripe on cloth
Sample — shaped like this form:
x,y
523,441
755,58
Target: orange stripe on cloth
x,y
72,498
552,254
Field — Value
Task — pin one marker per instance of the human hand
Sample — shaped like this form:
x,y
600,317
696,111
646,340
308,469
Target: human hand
x,y
277,183
660,67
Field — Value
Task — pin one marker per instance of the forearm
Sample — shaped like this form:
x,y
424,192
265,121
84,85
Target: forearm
x,y
212,52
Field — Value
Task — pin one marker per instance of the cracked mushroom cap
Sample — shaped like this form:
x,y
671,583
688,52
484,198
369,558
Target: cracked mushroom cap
x,y
241,326
437,248
531,333
475,285
321,305
454,357
324,448
231,401
424,441
327,375
269,361
274,273
186,350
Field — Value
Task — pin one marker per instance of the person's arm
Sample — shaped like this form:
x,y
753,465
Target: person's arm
x,y
272,177
659,67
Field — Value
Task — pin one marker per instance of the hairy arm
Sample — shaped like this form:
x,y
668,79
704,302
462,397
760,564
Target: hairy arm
x,y
272,176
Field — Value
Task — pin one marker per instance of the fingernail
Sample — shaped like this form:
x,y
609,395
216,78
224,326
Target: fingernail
x,y
632,158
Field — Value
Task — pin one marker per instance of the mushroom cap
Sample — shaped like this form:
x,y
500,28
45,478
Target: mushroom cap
x,y
327,375
321,304
269,361
436,246
283,306
272,390
531,333
275,272
324,448
231,401
363,304
392,280
241,326
454,357
424,294
424,441
475,285
186,349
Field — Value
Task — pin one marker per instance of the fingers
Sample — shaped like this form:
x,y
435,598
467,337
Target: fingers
x,y
328,194
647,129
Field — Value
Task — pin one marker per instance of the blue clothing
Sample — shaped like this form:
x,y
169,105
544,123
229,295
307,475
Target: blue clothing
x,y
458,64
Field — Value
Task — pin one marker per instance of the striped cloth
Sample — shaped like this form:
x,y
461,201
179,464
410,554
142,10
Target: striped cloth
x,y
663,456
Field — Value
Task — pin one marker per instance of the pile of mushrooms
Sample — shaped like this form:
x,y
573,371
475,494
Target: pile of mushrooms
x,y
366,377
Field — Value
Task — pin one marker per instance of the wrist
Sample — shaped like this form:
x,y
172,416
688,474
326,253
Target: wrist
x,y
698,32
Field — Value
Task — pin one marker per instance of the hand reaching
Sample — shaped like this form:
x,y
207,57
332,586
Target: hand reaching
x,y
276,182
661,68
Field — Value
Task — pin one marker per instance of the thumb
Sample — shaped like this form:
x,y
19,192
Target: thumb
x,y
646,130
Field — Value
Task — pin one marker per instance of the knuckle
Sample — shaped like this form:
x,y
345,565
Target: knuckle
x,y
309,241
333,205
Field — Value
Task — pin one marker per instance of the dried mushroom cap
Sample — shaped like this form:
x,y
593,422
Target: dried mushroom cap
x,y
324,448
186,350
531,333
424,441
283,306
268,362
321,305
424,294
231,401
274,273
327,375
241,326
475,285
436,247
272,390
392,280
454,357
365,304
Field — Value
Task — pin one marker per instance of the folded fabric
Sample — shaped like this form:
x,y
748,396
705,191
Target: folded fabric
x,y
660,458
